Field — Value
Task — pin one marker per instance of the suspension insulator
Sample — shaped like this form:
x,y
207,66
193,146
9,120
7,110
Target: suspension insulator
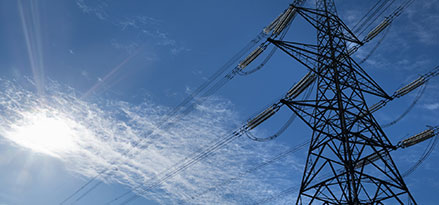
x,y
299,87
426,134
377,30
267,113
410,87
251,57
284,20
270,27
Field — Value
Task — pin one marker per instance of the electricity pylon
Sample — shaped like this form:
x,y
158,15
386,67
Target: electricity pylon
x,y
348,160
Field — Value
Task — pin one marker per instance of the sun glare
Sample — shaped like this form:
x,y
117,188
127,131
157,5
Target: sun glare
x,y
44,132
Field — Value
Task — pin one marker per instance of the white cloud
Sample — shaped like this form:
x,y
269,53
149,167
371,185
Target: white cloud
x,y
98,8
142,25
423,19
129,141
84,73
137,22
129,47
433,106
176,51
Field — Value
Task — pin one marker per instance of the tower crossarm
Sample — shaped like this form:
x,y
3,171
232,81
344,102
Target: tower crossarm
x,y
312,16
422,80
309,58
305,54
341,140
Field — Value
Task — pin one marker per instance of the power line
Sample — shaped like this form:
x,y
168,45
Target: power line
x,y
429,133
284,154
345,134
171,174
252,169
173,113
412,105
211,90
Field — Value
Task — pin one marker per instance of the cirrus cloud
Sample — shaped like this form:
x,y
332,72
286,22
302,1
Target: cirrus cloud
x,y
135,149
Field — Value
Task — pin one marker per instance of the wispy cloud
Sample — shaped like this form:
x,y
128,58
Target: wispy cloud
x,y
146,26
105,135
425,29
423,20
138,22
433,106
97,8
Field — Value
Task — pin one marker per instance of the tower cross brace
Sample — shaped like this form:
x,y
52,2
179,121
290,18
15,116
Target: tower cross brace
x,y
348,160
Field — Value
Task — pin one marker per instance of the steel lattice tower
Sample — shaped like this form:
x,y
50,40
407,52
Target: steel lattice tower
x,y
348,160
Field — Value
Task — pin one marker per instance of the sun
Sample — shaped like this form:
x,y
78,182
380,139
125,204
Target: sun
x,y
44,131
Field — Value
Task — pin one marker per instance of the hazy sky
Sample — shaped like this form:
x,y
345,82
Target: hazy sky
x,y
86,84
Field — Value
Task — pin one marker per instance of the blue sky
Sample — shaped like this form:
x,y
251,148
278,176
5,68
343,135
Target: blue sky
x,y
102,74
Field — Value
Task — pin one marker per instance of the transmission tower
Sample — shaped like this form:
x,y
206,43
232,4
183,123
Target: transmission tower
x,y
348,160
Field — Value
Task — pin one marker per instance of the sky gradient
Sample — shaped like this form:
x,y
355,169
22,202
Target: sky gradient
x,y
103,74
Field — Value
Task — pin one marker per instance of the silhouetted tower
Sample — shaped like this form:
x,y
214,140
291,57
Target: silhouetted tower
x,y
348,160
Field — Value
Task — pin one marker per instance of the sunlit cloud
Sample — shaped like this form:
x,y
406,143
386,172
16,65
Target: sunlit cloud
x,y
128,142
45,131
